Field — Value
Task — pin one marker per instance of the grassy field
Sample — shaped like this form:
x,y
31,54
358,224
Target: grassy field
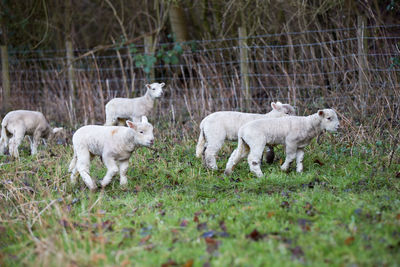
x,y
344,210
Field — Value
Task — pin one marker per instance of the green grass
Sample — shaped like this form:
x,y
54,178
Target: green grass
x,y
343,210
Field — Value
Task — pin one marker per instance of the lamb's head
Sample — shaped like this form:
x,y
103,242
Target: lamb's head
x,y
280,110
53,133
143,131
155,89
329,120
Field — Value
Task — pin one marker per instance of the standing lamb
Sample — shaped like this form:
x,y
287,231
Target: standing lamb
x,y
114,144
133,108
218,126
19,123
294,132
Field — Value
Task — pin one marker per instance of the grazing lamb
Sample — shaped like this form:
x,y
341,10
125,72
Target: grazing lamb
x,y
218,126
114,144
295,132
19,123
133,108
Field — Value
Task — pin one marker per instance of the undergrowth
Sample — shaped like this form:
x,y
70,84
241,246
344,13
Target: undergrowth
x,y
344,209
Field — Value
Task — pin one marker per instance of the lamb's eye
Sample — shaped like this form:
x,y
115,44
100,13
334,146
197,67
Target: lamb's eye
x,y
329,118
141,132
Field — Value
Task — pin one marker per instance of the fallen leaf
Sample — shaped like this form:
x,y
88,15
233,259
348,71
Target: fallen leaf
x,y
212,244
348,241
398,175
270,214
189,263
255,235
398,216
318,162
196,219
169,263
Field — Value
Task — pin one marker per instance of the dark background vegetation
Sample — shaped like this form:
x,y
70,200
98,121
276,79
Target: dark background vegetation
x,y
311,54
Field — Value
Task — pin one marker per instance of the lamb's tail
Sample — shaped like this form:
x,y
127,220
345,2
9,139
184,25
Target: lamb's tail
x,y
200,143
72,165
3,138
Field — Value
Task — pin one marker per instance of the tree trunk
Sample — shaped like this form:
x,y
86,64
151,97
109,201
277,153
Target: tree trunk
x,y
178,22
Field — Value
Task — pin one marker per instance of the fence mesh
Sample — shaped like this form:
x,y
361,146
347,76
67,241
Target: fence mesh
x,y
355,70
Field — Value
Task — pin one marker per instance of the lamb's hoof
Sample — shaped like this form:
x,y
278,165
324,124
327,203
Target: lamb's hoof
x,y
227,172
93,188
285,169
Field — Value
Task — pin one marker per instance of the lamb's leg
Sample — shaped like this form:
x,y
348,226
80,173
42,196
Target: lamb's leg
x,y
111,120
3,141
239,153
15,142
299,160
213,146
200,144
123,168
34,142
291,151
72,169
112,169
254,159
83,164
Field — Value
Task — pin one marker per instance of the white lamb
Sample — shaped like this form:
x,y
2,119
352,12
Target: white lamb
x,y
114,144
133,108
295,132
19,123
218,126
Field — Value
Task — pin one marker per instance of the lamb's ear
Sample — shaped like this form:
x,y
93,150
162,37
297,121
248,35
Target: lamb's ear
x,y
144,119
276,106
321,113
131,124
56,130
162,84
148,86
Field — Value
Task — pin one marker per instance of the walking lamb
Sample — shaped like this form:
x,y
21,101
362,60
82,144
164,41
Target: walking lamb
x,y
114,144
294,132
133,108
19,123
218,126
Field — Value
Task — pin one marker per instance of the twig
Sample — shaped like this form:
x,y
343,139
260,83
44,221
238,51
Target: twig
x,y
104,47
38,216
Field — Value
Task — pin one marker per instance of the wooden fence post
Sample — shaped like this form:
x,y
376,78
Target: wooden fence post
x,y
244,66
362,64
149,50
71,72
5,70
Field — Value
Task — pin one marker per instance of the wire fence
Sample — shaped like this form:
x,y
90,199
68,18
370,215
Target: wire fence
x,y
355,70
